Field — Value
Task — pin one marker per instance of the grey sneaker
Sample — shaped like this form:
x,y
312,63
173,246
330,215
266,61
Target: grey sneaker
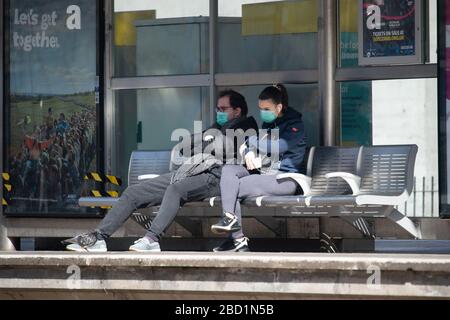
x,y
144,245
86,242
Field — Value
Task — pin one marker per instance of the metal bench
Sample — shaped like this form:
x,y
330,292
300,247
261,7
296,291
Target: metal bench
x,y
383,180
350,183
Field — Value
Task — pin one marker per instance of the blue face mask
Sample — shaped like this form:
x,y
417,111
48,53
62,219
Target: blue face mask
x,y
268,116
221,118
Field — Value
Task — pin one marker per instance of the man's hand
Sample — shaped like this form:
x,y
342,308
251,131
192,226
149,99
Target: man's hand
x,y
208,138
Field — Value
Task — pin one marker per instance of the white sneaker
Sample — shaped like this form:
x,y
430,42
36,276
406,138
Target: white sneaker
x,y
145,245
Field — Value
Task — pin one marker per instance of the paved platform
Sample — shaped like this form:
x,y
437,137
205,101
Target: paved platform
x,y
184,275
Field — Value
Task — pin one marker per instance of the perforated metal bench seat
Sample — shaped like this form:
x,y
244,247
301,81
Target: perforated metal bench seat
x,y
209,202
267,201
109,202
338,206
351,183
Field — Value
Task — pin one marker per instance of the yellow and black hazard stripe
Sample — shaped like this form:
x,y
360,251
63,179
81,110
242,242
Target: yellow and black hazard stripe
x,y
7,188
102,178
98,193
99,177
6,198
6,176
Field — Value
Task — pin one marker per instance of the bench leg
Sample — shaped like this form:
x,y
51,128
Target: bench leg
x,y
326,241
143,220
277,226
360,224
6,244
405,223
193,226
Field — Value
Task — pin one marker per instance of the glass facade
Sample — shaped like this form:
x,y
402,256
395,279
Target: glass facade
x,y
162,79
159,37
378,115
407,115
145,119
267,36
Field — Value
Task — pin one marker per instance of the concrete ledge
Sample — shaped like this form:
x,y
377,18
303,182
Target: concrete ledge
x,y
176,275
304,228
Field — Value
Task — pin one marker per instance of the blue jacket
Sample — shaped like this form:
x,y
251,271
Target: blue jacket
x,y
291,143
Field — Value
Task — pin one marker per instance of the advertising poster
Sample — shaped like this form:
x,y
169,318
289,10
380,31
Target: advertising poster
x,y
52,90
390,32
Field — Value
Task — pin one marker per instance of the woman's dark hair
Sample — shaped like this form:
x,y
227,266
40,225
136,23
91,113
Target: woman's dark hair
x,y
237,100
277,93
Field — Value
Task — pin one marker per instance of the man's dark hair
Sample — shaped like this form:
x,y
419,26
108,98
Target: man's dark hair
x,y
237,100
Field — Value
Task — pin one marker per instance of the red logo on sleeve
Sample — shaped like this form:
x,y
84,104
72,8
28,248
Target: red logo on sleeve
x,y
294,130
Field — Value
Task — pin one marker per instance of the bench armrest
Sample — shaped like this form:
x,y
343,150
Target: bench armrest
x,y
301,179
383,200
353,180
147,176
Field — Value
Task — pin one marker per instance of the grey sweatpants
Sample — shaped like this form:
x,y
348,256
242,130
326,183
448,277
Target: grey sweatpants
x,y
236,184
159,191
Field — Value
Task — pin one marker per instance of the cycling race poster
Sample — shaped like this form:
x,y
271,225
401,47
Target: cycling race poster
x,y
51,103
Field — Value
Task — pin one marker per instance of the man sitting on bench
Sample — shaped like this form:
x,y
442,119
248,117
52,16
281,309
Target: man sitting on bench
x,y
170,190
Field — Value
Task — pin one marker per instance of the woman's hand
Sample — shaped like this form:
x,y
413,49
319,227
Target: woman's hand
x,y
252,162
249,157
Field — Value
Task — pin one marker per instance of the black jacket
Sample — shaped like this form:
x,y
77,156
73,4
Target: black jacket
x,y
291,143
203,161
243,123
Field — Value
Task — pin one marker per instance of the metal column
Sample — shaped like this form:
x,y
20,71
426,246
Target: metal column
x,y
5,243
213,34
327,26
109,116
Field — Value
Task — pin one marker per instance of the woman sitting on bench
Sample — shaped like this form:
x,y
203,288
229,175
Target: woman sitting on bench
x,y
239,182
